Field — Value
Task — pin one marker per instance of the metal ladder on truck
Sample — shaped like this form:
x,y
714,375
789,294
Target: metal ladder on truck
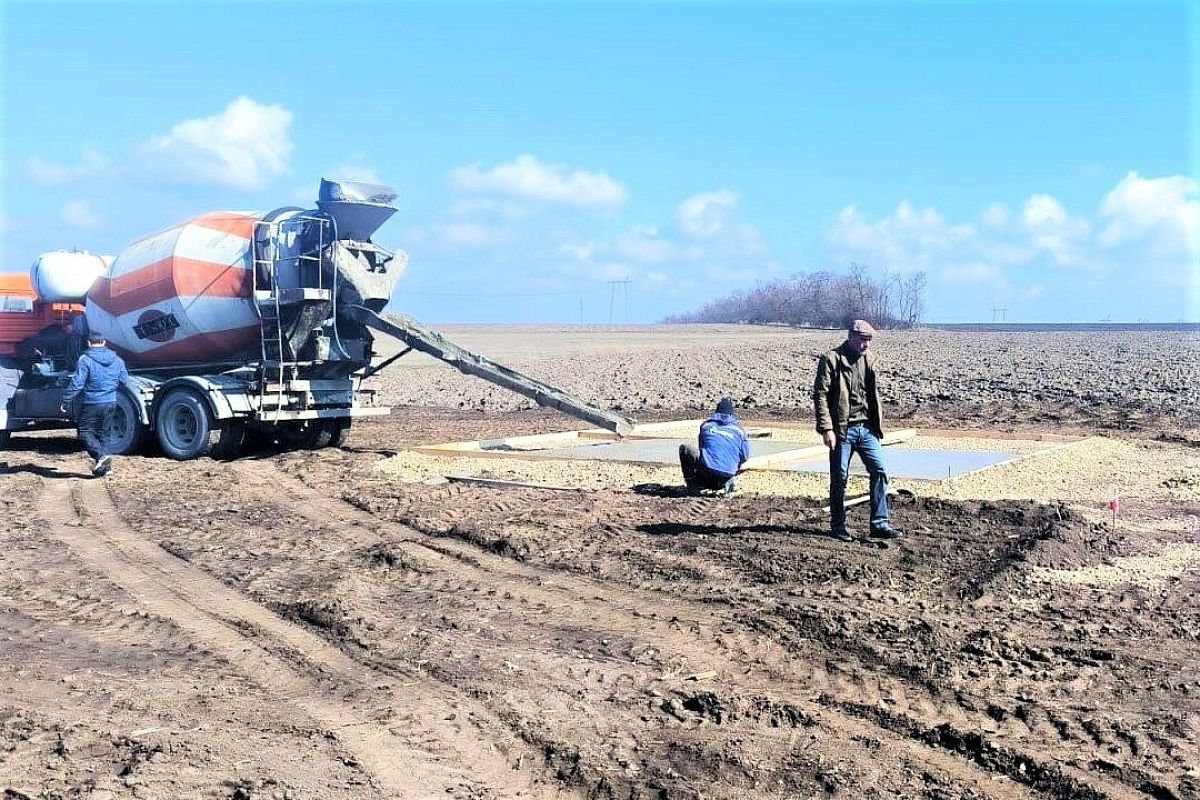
x,y
277,365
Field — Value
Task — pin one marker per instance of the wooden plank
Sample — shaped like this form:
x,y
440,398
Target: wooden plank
x,y
896,437
536,441
502,484
1016,436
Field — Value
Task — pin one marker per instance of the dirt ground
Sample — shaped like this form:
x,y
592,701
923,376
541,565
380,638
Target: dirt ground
x,y
316,625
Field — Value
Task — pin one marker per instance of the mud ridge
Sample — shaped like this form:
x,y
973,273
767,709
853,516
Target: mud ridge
x,y
974,747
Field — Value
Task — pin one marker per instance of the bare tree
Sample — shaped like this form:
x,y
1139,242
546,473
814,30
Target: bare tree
x,y
912,298
822,299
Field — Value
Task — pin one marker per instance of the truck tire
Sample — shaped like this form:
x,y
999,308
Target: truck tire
x,y
229,440
313,434
337,436
185,425
128,433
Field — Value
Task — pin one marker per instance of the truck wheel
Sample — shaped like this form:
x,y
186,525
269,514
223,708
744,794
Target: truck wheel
x,y
312,434
184,425
229,440
128,434
337,436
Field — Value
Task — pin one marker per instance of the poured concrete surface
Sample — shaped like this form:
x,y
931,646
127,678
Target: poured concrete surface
x,y
902,462
654,451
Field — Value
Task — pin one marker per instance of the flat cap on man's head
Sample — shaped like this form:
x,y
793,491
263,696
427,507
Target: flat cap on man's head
x,y
96,338
862,328
725,406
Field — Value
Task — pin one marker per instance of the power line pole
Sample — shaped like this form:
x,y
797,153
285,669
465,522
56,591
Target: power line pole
x,y
612,297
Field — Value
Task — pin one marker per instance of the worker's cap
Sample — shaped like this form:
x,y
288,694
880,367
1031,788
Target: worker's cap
x,y
96,338
862,328
725,406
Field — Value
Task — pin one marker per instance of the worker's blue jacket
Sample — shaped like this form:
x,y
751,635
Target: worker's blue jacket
x,y
724,446
98,374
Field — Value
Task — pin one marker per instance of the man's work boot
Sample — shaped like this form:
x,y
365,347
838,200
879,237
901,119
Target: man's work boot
x,y
103,466
886,532
842,535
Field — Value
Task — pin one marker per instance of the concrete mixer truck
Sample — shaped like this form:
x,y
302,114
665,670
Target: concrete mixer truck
x,y
231,323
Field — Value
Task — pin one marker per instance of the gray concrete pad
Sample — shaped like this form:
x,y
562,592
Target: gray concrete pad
x,y
655,451
901,462
919,464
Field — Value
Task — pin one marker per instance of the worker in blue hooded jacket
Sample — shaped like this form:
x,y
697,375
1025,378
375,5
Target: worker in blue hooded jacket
x,y
98,374
724,447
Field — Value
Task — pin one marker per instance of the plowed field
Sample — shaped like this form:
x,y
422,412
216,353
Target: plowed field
x,y
307,625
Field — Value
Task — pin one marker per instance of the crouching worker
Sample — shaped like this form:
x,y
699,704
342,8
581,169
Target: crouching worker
x,y
724,447
97,375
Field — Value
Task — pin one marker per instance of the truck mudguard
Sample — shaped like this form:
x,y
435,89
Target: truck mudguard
x,y
226,397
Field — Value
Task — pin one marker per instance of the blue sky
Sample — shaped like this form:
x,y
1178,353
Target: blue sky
x,y
1037,157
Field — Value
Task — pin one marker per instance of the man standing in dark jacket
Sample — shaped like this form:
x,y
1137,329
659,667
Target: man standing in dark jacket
x,y
724,447
97,376
846,400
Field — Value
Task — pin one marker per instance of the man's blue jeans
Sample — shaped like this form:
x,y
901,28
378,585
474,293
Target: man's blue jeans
x,y
858,439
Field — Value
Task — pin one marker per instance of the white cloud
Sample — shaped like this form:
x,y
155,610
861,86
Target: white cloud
x,y
52,173
1161,213
705,214
1052,229
527,178
242,146
996,215
1151,225
352,172
646,249
1042,211
80,214
973,272
908,239
580,252
616,272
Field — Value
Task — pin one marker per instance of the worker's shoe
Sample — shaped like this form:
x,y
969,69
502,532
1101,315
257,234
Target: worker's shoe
x,y
886,532
842,535
729,488
103,466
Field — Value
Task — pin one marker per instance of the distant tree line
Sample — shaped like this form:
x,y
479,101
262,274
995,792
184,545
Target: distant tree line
x,y
821,300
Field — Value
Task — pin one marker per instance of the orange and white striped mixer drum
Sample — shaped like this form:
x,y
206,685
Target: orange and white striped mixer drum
x,y
183,295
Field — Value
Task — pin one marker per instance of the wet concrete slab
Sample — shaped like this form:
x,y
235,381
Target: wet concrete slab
x,y
901,462
655,451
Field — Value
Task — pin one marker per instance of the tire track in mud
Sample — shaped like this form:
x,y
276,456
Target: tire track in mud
x,y
933,727
419,751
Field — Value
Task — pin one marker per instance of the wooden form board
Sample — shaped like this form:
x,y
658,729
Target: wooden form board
x,y
1013,436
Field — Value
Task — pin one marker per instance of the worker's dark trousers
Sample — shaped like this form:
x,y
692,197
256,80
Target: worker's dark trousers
x,y
696,474
95,428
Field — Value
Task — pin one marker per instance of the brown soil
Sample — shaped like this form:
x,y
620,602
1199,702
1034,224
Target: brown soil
x,y
304,625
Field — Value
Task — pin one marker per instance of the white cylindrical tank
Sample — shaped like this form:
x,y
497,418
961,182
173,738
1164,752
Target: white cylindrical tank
x,y
183,295
66,276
